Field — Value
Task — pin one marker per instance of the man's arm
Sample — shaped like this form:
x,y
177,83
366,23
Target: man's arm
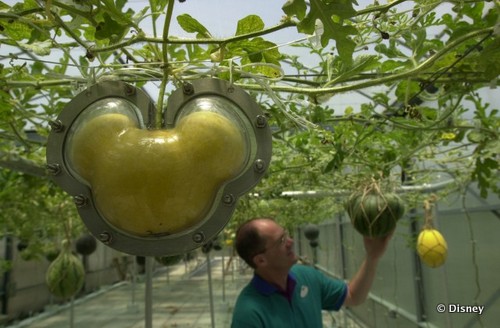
x,y
361,283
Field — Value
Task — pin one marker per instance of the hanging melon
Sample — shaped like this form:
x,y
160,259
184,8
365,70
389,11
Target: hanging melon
x,y
374,213
431,245
168,260
65,275
86,244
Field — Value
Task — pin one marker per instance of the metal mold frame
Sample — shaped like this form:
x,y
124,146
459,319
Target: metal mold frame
x,y
226,200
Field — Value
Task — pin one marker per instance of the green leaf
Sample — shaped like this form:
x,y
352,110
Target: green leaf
x,y
295,8
474,11
489,59
429,113
391,66
24,5
328,13
342,8
249,24
390,51
37,68
114,10
334,17
109,29
345,46
157,8
259,48
15,30
336,162
484,170
191,25
38,48
267,71
416,40
406,89
361,64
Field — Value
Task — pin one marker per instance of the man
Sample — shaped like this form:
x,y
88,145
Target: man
x,y
283,294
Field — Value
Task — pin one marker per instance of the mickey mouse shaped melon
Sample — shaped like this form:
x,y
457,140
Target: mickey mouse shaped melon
x,y
156,181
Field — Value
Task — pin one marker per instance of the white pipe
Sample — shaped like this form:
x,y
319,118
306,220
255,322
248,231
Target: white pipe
x,y
426,187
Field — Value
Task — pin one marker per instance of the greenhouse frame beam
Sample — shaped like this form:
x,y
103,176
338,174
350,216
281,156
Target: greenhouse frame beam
x,y
324,193
23,166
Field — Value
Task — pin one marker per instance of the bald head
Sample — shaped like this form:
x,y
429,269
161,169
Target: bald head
x,y
251,238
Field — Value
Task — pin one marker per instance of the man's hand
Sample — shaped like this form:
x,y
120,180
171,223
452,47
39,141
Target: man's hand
x,y
375,247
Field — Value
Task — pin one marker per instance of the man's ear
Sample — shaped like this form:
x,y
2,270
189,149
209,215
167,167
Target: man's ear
x,y
259,260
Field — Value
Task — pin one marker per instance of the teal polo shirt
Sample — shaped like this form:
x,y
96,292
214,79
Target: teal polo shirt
x,y
261,304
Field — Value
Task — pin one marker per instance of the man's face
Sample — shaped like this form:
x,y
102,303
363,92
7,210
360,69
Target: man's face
x,y
279,251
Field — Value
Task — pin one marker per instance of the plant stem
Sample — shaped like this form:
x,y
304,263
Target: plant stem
x,y
74,11
277,88
428,214
75,37
166,68
386,79
166,40
380,8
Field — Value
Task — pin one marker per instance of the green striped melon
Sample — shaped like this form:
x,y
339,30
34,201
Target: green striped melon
x,y
168,260
373,213
65,275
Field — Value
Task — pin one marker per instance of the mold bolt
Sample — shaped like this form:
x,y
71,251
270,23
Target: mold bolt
x,y
228,199
56,126
198,237
105,237
80,200
53,169
129,90
188,89
259,166
261,121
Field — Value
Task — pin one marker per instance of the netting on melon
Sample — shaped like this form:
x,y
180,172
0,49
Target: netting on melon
x,y
373,212
431,245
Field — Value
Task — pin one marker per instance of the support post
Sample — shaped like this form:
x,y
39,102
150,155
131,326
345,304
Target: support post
x,y
210,292
148,311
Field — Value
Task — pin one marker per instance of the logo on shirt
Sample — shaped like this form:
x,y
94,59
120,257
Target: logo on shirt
x,y
304,290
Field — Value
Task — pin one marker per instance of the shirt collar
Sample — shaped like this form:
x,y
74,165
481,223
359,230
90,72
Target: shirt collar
x,y
266,288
